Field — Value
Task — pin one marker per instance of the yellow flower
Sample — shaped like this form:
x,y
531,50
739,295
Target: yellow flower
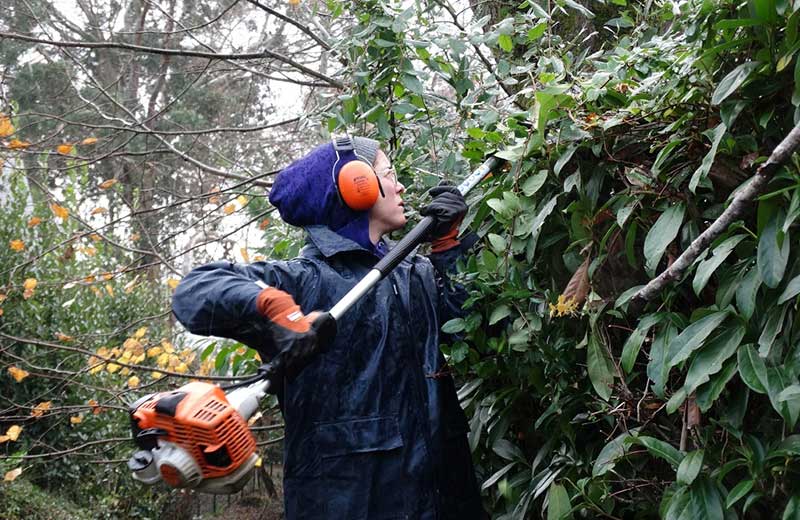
x,y
96,365
96,408
167,346
13,432
563,307
16,144
17,245
133,382
60,336
133,345
18,374
6,128
13,474
162,360
40,408
59,211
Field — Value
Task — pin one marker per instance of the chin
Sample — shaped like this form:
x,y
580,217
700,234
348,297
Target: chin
x,y
398,224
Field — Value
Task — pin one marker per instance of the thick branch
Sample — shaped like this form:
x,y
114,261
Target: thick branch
x,y
178,52
292,21
756,185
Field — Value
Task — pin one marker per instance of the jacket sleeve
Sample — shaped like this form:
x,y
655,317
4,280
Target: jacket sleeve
x,y
451,295
219,299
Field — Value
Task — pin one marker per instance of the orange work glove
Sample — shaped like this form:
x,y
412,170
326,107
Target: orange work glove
x,y
298,338
282,310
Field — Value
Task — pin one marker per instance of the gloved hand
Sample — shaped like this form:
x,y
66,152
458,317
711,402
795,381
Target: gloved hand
x,y
448,207
297,337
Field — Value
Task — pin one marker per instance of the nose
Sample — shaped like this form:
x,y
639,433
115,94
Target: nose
x,y
399,187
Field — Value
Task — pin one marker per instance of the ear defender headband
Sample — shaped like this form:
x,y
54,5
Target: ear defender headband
x,y
357,183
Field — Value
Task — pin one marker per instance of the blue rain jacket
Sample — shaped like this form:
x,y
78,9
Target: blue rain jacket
x,y
374,429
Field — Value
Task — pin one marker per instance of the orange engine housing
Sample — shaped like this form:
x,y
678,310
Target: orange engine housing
x,y
198,418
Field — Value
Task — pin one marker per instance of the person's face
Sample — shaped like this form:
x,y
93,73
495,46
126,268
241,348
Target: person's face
x,y
388,212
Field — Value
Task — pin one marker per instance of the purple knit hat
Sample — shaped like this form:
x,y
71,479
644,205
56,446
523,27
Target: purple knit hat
x,y
305,194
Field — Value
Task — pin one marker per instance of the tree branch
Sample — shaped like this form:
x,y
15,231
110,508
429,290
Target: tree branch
x,y
292,21
106,359
177,52
746,194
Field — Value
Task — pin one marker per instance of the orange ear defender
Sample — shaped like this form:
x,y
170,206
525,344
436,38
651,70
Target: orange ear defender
x,y
357,184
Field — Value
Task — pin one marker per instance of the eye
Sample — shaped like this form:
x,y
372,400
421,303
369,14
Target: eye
x,y
389,174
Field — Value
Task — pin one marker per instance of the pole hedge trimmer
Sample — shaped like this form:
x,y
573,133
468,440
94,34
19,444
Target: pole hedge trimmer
x,y
198,437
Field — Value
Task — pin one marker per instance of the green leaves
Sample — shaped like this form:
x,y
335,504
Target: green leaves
x,y
660,449
740,490
558,506
611,453
498,313
733,81
505,42
661,235
772,256
747,291
690,467
708,362
658,368
700,500
533,183
700,174
707,267
792,289
508,451
792,510
634,342
454,326
752,369
693,336
600,367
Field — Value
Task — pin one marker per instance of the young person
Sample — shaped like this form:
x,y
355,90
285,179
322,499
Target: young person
x,y
373,426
